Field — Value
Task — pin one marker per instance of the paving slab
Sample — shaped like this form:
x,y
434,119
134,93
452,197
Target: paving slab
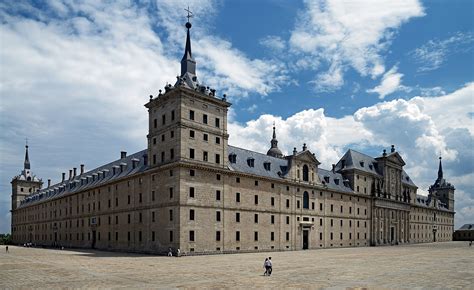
x,y
448,265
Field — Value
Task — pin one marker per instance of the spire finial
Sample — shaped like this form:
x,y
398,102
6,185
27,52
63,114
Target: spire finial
x,y
188,65
274,133
27,159
440,170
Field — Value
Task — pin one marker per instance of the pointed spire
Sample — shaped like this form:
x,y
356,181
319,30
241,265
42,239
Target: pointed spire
x,y
440,170
188,64
274,151
27,159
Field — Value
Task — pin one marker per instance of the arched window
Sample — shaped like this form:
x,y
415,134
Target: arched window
x,y
306,200
305,173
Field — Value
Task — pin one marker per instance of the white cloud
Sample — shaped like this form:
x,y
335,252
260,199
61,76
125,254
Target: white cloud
x,y
252,108
275,43
434,53
390,83
350,34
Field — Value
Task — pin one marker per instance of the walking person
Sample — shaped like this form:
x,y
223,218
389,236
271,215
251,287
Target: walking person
x,y
266,267
270,266
6,249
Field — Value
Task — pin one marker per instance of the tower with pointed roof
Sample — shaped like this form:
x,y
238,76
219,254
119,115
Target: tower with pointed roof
x,y
442,190
274,150
25,183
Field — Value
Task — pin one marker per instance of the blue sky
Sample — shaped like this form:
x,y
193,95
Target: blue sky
x,y
74,76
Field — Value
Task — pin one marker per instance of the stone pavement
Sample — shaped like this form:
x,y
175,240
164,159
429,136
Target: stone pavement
x,y
422,266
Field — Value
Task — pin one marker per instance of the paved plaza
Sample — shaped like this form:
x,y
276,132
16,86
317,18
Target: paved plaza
x,y
427,266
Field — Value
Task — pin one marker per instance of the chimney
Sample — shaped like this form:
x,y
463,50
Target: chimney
x,y
70,173
82,169
304,147
294,151
75,171
333,168
393,149
145,159
123,154
64,177
49,183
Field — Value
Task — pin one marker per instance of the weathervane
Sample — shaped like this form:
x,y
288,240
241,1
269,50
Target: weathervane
x,y
26,141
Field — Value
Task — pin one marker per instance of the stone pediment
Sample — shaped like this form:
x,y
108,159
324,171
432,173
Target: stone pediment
x,y
307,157
396,158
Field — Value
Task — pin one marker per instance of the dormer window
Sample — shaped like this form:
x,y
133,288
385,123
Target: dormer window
x,y
267,166
326,179
361,163
232,158
371,167
336,181
251,162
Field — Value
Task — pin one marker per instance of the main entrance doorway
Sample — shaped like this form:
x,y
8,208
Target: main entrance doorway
x,y
305,239
392,234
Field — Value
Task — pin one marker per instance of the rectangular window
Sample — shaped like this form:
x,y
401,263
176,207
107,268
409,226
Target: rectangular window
x,y
191,133
332,208
140,236
331,236
163,138
128,218
155,123
218,195
171,154
191,192
342,209
204,156
172,115
287,203
341,223
237,217
191,153
237,236
162,157
128,199
153,195
256,182
139,197
272,219
152,236
191,214
191,114
171,192
171,236
297,204
171,214
287,220
255,236
191,236
287,236
237,197
116,220
218,158
321,222
340,236
256,199
163,119
272,201
218,216
237,179
255,218
191,172
218,140
205,137
218,122
153,216
272,236
204,118
218,236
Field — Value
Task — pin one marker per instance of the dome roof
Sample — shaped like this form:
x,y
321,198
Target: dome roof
x,y
275,152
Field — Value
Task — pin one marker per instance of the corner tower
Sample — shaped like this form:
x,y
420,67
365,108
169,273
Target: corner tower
x,y
24,184
187,122
443,190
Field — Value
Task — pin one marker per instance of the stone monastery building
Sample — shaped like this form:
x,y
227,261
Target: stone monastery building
x,y
191,190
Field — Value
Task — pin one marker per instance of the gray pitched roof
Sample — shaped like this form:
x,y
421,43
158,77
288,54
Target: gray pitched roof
x,y
469,227
356,160
333,178
425,201
278,166
90,178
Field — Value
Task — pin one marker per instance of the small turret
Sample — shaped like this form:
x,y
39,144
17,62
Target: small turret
x,y
274,151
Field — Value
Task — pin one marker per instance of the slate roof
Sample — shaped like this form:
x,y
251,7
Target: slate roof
x,y
467,227
90,178
425,201
356,160
278,166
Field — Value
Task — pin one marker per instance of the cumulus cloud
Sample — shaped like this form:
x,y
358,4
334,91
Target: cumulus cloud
x,y
390,83
431,55
350,34
275,43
